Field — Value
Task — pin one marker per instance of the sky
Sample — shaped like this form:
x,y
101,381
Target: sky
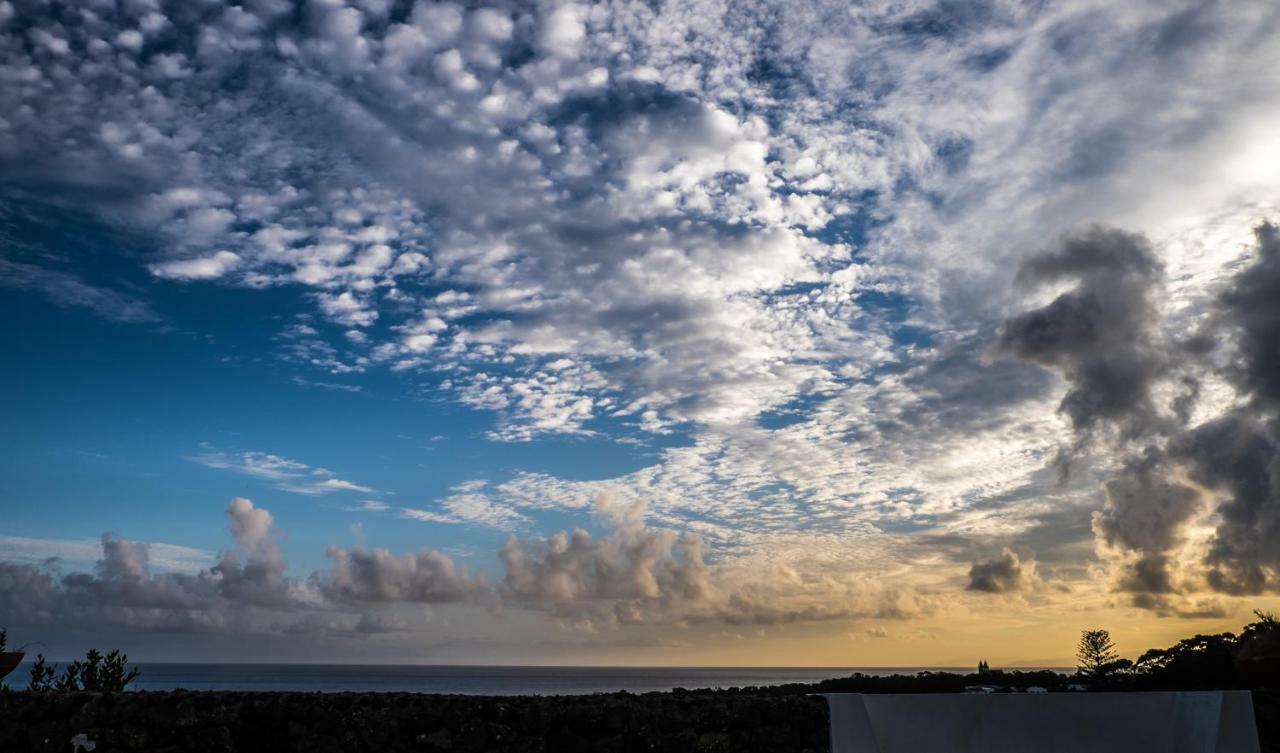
x,y
887,333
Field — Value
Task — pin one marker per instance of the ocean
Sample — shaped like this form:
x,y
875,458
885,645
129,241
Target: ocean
x,y
470,680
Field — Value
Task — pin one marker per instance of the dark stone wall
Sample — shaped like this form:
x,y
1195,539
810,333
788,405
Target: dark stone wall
x,y
199,722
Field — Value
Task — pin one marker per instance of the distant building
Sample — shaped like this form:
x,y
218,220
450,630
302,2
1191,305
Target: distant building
x,y
983,667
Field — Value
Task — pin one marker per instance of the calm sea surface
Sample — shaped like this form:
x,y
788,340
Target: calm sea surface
x,y
471,680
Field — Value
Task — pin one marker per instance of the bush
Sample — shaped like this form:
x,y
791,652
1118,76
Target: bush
x,y
97,673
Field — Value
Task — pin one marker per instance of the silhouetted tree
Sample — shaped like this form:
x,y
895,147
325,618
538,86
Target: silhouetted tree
x,y
1261,639
1097,656
1205,661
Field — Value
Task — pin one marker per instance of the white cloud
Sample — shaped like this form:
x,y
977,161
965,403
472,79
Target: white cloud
x,y
326,486
291,475
202,268
469,505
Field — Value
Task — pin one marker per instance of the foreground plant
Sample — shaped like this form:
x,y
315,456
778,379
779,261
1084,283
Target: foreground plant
x,y
96,673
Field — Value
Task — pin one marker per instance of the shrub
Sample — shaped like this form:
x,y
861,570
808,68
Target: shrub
x,y
97,673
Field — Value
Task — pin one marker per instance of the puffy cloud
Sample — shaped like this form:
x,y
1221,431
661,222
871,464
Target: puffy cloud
x,y
1004,574
427,577
632,564
1252,305
638,574
201,268
1100,333
1147,514
1239,456
1195,509
124,591
562,32
253,572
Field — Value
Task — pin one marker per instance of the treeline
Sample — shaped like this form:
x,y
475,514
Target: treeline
x,y
1224,661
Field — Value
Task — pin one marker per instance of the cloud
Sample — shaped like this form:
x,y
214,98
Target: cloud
x,y
637,574
326,486
469,505
377,576
68,290
639,220
1100,333
1004,574
1239,456
123,590
201,268
292,475
166,556
1195,508
1251,305
371,505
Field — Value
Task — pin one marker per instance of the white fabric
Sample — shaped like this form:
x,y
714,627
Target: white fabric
x,y
1181,722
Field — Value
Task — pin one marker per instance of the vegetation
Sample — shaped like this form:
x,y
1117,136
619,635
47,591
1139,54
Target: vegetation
x,y
97,673
1097,657
1250,660
1224,660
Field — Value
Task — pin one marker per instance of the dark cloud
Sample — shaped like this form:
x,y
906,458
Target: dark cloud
x,y
1239,456
1006,573
1252,305
1099,334
1105,336
1146,512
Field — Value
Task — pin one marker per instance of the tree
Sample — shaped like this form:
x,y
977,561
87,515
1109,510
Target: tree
x,y
1097,655
1261,639
1205,661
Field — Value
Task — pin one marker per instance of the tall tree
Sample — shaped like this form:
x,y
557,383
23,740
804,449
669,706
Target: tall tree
x,y
1096,654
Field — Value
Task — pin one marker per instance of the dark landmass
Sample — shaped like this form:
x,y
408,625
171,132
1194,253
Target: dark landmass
x,y
56,715
768,720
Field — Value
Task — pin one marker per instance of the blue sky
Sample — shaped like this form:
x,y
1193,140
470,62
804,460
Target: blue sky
x,y
872,333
